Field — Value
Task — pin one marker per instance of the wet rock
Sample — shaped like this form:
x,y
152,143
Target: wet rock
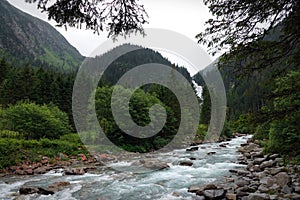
x,y
193,149
151,164
274,156
33,190
45,191
286,189
199,198
242,172
268,181
223,145
58,185
196,143
74,171
211,153
249,148
297,189
201,189
28,190
105,157
263,188
40,170
176,194
266,164
230,196
20,172
279,161
214,193
186,163
262,175
258,161
195,188
258,196
292,196
241,182
28,171
275,171
246,189
273,197
258,154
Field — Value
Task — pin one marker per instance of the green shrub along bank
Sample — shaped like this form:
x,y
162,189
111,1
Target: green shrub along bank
x,y
29,131
34,121
14,151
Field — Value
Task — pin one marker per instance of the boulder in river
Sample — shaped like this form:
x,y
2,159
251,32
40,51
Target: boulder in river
x,y
45,191
186,163
211,153
28,190
153,164
58,185
193,149
33,190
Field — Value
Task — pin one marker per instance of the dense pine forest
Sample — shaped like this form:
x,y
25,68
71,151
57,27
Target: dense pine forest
x,y
36,109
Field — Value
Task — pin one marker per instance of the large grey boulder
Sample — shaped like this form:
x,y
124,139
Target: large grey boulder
x,y
282,179
152,164
258,196
214,193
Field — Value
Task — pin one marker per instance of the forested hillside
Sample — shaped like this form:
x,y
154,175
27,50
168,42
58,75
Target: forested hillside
x,y
263,101
36,103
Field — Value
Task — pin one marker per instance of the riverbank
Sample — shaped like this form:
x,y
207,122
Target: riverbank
x,y
262,177
196,165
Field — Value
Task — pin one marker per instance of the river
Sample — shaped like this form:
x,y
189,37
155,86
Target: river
x,y
111,184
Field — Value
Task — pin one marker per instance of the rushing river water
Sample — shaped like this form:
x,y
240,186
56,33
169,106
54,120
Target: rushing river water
x,y
113,185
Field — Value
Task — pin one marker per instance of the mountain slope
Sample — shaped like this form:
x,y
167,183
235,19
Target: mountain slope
x,y
24,38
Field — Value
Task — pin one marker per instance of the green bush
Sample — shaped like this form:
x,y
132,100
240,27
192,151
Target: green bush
x,y
244,124
262,132
35,121
284,137
10,134
14,151
227,130
202,131
73,138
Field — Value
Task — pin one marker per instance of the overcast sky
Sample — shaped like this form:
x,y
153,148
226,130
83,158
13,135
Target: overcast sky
x,y
184,16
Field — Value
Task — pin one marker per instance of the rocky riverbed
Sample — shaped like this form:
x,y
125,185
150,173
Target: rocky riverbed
x,y
234,169
263,177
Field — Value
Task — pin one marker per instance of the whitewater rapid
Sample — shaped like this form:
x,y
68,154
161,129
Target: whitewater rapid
x,y
112,184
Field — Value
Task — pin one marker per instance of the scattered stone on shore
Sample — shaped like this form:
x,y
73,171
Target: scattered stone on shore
x,y
263,177
47,164
74,171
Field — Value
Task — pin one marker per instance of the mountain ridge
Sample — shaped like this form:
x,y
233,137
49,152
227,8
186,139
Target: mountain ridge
x,y
27,39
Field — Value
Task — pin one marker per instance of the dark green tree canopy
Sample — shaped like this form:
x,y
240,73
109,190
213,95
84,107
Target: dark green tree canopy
x,y
259,33
115,16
